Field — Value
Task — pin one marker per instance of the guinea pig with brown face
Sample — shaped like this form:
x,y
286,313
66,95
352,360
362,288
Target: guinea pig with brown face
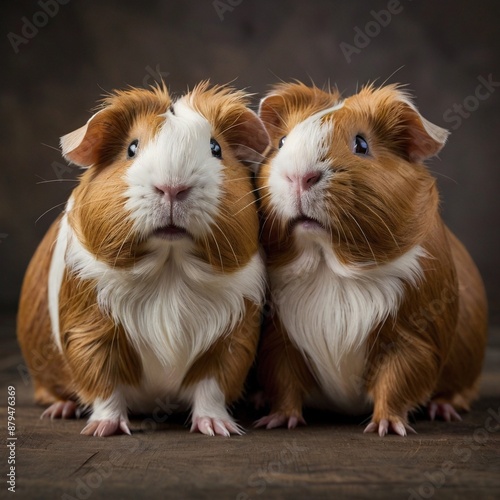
x,y
378,307
151,282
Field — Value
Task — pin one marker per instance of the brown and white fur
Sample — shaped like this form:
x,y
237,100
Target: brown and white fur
x,y
377,305
150,284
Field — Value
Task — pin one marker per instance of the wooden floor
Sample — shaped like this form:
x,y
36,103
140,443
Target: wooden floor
x,y
330,458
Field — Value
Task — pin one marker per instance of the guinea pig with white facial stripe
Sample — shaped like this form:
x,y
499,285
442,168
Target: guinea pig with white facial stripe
x,y
151,282
378,307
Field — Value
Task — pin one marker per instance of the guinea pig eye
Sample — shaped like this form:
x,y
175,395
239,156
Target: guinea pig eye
x,y
282,141
216,149
132,148
360,146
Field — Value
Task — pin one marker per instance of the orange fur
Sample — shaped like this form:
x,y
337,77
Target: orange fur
x,y
230,358
286,373
236,128
376,199
99,217
97,351
97,355
287,105
381,206
459,380
48,368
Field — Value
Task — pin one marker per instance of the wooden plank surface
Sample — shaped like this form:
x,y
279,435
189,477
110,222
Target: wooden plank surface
x,y
330,458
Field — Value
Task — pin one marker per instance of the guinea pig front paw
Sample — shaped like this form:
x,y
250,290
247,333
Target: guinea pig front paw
x,y
445,411
212,426
384,426
280,419
61,409
103,428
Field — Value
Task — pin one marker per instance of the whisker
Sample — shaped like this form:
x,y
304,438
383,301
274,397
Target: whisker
x,y
121,246
391,75
345,234
381,220
236,123
274,220
364,235
49,210
56,180
346,239
93,202
228,242
51,147
246,206
435,172
218,250
238,179
262,156
229,218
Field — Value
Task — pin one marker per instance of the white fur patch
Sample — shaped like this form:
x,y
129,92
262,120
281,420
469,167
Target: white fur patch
x,y
304,151
329,309
179,154
113,408
208,400
56,274
171,303
172,306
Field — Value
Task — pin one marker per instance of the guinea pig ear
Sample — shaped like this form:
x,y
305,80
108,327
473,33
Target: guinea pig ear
x,y
82,146
425,139
249,139
271,110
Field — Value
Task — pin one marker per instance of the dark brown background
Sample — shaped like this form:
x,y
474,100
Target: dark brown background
x,y
48,88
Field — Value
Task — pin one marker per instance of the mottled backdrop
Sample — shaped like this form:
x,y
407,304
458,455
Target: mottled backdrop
x,y
59,57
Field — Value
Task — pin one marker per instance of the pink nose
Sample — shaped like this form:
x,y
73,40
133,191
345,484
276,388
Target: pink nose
x,y
305,181
174,193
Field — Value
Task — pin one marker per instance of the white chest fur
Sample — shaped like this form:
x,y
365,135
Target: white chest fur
x,y
172,306
329,310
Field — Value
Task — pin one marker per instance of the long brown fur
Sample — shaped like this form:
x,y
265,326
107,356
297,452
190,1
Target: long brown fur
x,y
48,368
230,358
97,351
286,374
97,355
380,208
